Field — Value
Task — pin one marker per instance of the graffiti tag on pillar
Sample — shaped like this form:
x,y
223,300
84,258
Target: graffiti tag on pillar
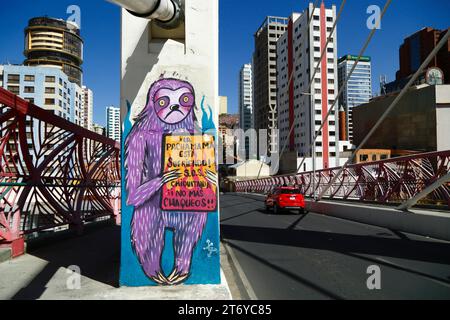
x,y
151,175
210,248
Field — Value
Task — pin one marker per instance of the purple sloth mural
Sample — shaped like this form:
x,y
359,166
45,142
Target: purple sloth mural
x,y
170,108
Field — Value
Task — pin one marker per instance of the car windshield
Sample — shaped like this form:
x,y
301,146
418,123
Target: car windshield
x,y
290,191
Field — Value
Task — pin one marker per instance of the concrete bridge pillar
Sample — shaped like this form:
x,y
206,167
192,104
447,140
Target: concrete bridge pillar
x,y
169,103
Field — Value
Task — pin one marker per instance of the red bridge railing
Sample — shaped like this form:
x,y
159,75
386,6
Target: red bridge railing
x,y
52,172
390,181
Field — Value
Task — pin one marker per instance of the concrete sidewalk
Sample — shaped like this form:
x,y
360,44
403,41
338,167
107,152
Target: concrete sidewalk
x,y
43,273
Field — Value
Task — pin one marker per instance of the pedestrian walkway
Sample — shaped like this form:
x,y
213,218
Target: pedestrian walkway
x,y
44,273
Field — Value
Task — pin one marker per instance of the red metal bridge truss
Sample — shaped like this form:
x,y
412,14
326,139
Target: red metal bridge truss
x,y
52,172
385,182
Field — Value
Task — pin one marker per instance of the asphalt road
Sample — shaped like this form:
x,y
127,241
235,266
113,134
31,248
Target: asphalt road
x,y
314,256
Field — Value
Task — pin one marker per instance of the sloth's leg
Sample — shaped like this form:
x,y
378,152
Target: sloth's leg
x,y
148,240
188,230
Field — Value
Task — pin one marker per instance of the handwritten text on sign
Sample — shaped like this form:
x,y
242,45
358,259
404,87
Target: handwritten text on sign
x,y
194,157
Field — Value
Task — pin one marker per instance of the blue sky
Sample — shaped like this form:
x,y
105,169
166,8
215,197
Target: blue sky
x,y
238,22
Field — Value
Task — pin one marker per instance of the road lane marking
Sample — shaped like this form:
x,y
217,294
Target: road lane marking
x,y
248,287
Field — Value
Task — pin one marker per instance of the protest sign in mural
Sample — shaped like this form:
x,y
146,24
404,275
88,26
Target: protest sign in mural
x,y
192,157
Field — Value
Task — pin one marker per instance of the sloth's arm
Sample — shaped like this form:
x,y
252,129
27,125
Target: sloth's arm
x,y
139,192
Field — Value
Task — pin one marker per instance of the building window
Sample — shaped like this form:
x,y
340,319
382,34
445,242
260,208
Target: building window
x,y
50,90
28,90
50,79
49,101
13,78
29,78
30,100
14,89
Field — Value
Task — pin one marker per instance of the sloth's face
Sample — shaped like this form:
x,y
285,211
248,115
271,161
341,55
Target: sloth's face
x,y
173,106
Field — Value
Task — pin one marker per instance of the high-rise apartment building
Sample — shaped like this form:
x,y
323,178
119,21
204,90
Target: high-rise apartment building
x,y
45,87
223,105
299,51
88,107
265,75
245,98
55,43
414,51
113,126
358,89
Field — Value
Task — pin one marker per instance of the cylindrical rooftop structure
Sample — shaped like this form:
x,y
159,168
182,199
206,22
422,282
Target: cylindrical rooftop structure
x,y
55,43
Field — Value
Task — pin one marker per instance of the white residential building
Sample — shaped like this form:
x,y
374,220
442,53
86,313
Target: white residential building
x,y
46,87
113,129
88,106
245,98
299,51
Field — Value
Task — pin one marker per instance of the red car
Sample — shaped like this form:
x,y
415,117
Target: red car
x,y
285,198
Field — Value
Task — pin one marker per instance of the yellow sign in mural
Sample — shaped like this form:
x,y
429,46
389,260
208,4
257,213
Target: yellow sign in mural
x,y
193,159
